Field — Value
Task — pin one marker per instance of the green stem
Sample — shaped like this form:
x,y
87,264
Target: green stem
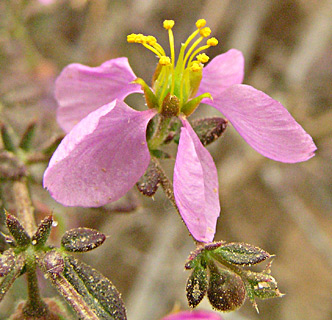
x,y
160,134
35,306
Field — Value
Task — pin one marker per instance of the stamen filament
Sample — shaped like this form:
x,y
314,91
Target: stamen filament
x,y
197,51
195,44
159,54
171,45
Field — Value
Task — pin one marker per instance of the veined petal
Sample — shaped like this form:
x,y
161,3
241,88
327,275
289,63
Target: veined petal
x,y
196,185
222,72
193,315
265,124
80,90
101,158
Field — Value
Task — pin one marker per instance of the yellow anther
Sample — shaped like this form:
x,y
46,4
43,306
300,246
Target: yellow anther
x,y
205,32
131,38
196,66
202,57
164,61
168,24
212,42
200,23
151,40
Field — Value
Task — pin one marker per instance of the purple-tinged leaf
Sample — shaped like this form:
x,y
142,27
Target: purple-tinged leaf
x,y
17,231
7,262
43,232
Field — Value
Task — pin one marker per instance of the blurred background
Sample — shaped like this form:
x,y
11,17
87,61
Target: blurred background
x,y
284,208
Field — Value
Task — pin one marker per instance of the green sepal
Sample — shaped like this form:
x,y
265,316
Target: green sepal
x,y
170,106
261,285
195,78
82,239
27,137
239,253
17,231
197,285
52,145
192,104
150,98
8,137
209,130
43,232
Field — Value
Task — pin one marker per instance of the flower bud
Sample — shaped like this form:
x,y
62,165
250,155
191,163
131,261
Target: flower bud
x,y
226,290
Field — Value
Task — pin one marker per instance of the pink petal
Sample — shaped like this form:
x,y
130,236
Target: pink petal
x,y
222,72
196,186
193,315
80,90
265,124
101,158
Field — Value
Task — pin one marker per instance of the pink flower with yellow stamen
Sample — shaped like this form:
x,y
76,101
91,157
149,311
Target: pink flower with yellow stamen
x,y
107,150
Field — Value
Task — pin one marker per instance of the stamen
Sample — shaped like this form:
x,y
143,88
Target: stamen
x,y
200,23
168,25
203,58
205,32
212,42
196,66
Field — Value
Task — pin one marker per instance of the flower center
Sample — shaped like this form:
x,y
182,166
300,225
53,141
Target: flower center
x,y
175,84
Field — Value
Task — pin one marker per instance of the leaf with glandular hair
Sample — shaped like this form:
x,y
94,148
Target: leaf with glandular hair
x,y
43,232
51,263
12,272
209,130
226,291
17,230
240,254
197,285
95,292
149,182
261,285
82,239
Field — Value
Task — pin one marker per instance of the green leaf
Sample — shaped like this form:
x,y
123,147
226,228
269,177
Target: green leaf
x,y
8,137
82,239
94,290
240,254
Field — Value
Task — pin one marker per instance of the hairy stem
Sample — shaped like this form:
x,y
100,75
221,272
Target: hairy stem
x,y
23,205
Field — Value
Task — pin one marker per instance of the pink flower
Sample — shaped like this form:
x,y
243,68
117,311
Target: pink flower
x,y
105,151
193,315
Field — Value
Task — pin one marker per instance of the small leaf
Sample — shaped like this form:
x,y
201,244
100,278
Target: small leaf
x,y
149,182
226,291
43,232
96,290
17,230
7,261
241,254
197,285
209,129
82,240
13,274
26,139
